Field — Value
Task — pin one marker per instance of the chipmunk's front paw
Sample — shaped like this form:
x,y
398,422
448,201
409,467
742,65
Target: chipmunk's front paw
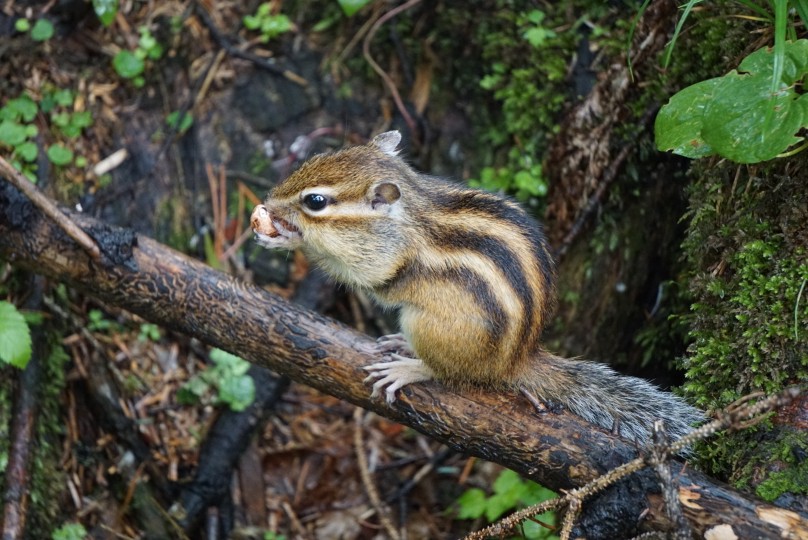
x,y
395,374
394,343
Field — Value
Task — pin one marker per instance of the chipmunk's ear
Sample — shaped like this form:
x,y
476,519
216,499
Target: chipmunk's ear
x,y
384,195
387,142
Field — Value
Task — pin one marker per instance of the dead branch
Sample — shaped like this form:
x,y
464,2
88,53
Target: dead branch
x,y
16,488
558,450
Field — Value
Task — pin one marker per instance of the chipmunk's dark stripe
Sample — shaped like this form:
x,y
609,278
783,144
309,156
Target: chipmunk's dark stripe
x,y
478,288
453,239
500,210
481,291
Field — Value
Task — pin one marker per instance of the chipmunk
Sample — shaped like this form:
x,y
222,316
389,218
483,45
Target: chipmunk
x,y
471,274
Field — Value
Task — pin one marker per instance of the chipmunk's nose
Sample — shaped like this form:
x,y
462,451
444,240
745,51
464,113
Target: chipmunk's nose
x,y
259,217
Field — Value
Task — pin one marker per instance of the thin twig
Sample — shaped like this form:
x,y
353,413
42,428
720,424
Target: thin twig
x,y
16,179
367,481
386,78
232,50
739,414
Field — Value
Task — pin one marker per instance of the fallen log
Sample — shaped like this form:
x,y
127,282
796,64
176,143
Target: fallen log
x,y
558,450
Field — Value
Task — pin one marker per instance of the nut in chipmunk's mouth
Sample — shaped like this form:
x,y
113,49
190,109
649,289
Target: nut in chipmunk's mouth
x,y
272,231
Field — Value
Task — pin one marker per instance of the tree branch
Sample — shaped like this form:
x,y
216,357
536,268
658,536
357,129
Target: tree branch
x,y
558,450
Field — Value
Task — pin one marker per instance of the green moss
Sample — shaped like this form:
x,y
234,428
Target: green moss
x,y
45,481
750,330
780,482
747,257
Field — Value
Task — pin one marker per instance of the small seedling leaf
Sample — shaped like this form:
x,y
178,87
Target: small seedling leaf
x,y
42,30
106,10
127,64
60,155
12,133
15,336
350,7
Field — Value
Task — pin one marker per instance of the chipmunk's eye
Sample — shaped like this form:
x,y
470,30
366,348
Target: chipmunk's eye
x,y
315,201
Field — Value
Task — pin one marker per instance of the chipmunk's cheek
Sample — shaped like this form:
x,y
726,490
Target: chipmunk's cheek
x,y
272,231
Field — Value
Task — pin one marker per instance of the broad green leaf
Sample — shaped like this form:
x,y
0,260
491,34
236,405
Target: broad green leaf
x,y
746,124
127,64
15,337
42,30
22,25
795,66
508,481
679,122
508,491
12,133
472,504
499,503
350,7
105,10
59,155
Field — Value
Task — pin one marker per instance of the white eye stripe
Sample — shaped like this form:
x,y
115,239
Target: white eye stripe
x,y
326,191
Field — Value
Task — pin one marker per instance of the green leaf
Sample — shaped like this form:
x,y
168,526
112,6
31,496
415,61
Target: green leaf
x,y
679,122
229,363
63,97
190,392
60,119
508,491
536,16
22,25
537,36
82,119
15,336
105,10
738,116
498,504
12,133
237,392
70,531
27,151
251,22
147,40
746,124
276,25
21,108
42,30
350,7
508,481
59,155
472,504
127,64
187,121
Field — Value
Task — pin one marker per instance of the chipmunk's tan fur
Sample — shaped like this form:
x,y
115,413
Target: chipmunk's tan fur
x,y
470,272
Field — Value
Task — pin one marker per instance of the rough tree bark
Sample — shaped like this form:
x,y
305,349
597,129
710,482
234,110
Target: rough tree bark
x,y
560,450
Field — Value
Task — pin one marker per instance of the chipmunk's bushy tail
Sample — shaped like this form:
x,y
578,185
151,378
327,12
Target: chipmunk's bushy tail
x,y
601,396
